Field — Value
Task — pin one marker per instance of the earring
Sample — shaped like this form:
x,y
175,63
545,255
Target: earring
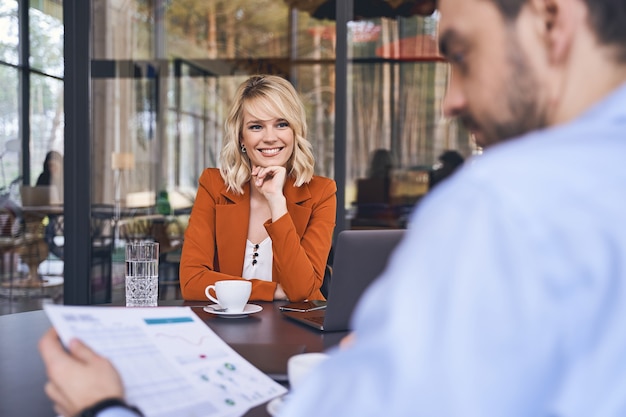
x,y
243,149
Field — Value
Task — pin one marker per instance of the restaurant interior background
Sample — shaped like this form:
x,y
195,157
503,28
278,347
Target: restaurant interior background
x,y
133,93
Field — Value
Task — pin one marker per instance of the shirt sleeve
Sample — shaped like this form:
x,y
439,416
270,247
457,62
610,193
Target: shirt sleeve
x,y
450,328
116,412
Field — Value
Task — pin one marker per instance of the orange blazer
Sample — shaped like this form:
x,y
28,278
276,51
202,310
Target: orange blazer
x,y
215,239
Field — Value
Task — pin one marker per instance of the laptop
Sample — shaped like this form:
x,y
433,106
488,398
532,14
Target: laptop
x,y
40,195
360,257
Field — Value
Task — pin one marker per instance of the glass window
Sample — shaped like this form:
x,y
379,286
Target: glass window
x,y
193,123
42,255
166,71
9,127
396,131
46,121
315,39
123,33
9,32
46,36
227,29
315,84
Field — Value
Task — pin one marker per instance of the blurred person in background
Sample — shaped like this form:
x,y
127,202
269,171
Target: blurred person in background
x,y
448,162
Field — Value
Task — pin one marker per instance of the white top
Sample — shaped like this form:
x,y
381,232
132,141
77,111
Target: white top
x,y
257,261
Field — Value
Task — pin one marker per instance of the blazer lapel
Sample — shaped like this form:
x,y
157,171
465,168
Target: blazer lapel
x,y
295,196
231,224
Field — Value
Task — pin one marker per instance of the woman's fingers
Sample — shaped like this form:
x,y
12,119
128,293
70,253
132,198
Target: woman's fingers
x,y
266,174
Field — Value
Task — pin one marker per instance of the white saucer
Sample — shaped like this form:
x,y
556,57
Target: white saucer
x,y
248,309
274,406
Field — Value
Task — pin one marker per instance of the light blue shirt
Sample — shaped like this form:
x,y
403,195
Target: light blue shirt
x,y
116,412
507,296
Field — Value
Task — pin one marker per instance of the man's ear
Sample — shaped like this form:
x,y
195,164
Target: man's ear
x,y
560,26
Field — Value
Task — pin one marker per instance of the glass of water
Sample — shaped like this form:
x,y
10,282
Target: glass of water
x,y
142,274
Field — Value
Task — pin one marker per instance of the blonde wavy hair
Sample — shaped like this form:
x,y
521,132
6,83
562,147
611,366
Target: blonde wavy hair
x,y
276,96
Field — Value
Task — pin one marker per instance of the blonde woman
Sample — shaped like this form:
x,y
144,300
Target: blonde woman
x,y
263,216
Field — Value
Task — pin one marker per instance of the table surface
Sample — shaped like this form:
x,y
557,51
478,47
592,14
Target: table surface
x,y
23,376
52,209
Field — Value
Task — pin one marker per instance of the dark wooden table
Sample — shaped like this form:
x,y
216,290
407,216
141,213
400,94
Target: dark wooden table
x,y
22,374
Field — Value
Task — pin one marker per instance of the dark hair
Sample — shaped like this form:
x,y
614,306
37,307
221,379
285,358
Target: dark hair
x,y
452,159
381,164
606,17
45,177
52,156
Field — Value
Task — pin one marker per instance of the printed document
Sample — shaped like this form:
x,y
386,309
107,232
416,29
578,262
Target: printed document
x,y
171,363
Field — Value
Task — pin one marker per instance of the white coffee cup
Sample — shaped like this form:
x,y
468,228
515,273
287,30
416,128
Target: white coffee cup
x,y
299,366
230,294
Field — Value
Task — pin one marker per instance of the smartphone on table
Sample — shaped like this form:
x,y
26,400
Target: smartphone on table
x,y
304,306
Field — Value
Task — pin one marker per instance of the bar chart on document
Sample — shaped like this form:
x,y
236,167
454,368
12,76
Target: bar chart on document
x,y
171,363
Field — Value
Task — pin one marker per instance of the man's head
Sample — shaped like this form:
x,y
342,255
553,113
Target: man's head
x,y
607,18
520,65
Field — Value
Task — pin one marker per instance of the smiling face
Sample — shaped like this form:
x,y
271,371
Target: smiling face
x,y
268,139
493,88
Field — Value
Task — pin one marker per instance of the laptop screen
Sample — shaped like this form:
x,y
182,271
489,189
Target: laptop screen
x,y
360,257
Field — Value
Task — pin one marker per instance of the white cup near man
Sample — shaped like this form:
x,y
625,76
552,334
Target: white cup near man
x,y
231,295
299,366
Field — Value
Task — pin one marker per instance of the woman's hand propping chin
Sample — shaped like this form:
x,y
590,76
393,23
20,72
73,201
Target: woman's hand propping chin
x,y
269,181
